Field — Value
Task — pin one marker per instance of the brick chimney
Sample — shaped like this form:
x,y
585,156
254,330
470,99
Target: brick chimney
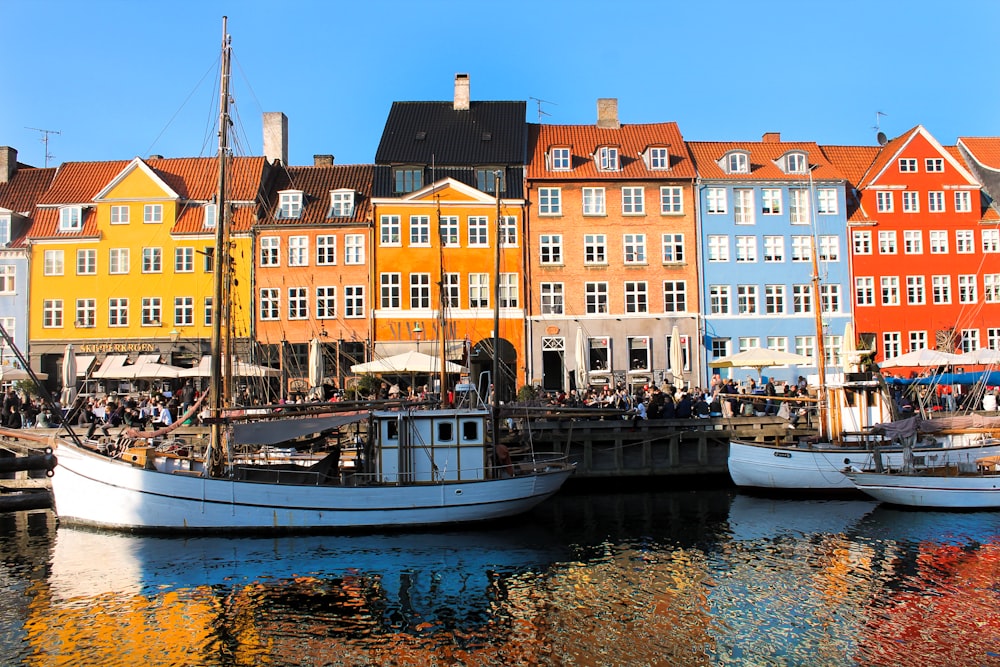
x,y
607,113
322,160
771,137
461,92
8,163
276,136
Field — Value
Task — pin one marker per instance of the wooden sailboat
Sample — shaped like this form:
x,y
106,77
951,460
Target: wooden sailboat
x,y
410,467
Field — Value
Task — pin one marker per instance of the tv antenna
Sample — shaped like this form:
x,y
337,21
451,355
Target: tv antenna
x,y
539,103
45,140
880,135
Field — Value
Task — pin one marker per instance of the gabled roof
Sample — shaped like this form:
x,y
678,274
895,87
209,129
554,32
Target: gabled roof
x,y
316,183
632,140
895,147
488,133
852,161
764,157
20,194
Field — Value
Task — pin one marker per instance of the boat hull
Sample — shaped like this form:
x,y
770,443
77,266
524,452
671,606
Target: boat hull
x,y
761,466
974,492
92,489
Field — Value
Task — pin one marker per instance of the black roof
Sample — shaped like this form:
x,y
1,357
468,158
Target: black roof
x,y
488,133
383,182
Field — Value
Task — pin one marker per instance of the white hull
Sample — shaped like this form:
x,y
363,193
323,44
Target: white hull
x,y
932,491
763,466
92,489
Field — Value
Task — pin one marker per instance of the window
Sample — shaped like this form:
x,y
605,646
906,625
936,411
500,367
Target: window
x,y
934,164
509,290
552,300
864,291
774,248
326,250
795,163
911,202
420,290
862,243
671,200
970,340
354,301
743,211
991,240
633,201
53,265
774,299
963,201
326,303
991,287
659,158
118,261
389,230
354,249
798,206
718,248
746,249
829,298
770,201
801,248
673,248
152,260
560,159
420,230
719,299
593,201
508,231
117,312
674,296
737,163
964,242
183,311
391,298
967,288
746,299
720,347
549,201
298,251
935,202
479,290
595,249
270,251
887,243
7,274
119,215
891,344
716,198
52,313
448,231
486,179
408,179
918,340
341,204
884,201
152,308
152,214
452,290
209,254
826,201
596,297
907,164
607,158
86,262
941,289
550,248
993,338
777,343
802,299
4,233
890,290
208,311
270,303
913,242
916,290
478,230
635,248
211,215
86,313
183,260
298,303
70,219
636,296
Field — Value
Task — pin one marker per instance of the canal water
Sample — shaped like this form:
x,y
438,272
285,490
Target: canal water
x,y
645,578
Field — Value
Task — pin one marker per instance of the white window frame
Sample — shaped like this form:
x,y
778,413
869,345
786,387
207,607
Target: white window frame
x,y
549,201
672,246
152,214
86,262
70,219
118,261
354,249
270,304
326,250
479,231
298,250
326,302
53,265
152,260
593,201
119,214
289,205
671,200
634,247
341,203
270,251
183,259
420,231
633,200
390,231
561,159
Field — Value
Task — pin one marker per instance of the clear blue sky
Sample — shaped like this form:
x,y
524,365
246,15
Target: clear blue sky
x,y
120,78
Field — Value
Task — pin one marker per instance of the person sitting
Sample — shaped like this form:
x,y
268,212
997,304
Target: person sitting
x,y
164,418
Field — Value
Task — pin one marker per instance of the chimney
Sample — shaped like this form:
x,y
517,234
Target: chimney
x,y
155,157
607,113
8,163
276,137
771,137
322,160
461,92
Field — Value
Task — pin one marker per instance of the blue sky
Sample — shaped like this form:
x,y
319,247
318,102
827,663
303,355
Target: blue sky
x,y
121,78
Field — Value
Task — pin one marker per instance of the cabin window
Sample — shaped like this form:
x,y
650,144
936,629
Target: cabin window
x,y
445,432
470,431
391,430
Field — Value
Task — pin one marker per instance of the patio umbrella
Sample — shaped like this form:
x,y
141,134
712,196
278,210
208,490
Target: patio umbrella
x,y
924,359
581,359
760,357
316,370
68,376
408,362
676,357
985,356
11,374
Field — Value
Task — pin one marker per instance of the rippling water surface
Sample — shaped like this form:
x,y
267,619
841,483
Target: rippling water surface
x,y
686,578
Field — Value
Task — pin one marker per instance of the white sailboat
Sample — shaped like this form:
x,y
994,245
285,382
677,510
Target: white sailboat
x,y
412,467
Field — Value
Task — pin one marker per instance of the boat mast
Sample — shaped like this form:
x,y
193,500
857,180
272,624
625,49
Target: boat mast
x,y
818,310
442,317
214,456
496,317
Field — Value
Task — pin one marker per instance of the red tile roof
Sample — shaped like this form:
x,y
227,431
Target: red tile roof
x,y
885,156
316,182
23,190
631,141
986,150
764,156
852,161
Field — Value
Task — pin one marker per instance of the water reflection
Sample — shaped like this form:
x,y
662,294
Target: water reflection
x,y
694,578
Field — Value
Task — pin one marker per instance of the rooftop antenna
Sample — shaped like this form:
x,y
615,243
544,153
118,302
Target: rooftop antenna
x,y
45,140
880,135
539,103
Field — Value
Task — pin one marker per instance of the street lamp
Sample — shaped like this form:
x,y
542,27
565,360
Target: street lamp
x,y
418,332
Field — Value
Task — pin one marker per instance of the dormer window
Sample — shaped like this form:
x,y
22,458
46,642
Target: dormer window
x,y
486,178
607,158
560,159
407,179
659,158
341,204
795,163
290,205
211,215
4,231
70,219
737,163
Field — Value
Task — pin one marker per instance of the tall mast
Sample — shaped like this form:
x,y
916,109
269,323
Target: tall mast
x,y
442,317
818,310
496,317
215,458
